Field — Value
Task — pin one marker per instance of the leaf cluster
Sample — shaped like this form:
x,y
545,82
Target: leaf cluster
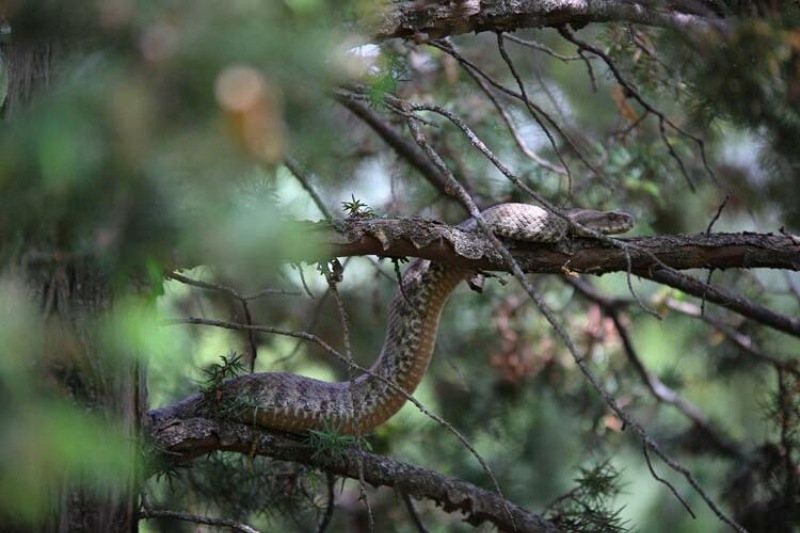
x,y
588,507
215,400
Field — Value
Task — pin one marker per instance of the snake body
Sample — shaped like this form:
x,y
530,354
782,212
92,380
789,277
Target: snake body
x,y
295,403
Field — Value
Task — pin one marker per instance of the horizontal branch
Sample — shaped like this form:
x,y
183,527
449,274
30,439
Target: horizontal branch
x,y
729,300
657,258
184,439
434,20
440,242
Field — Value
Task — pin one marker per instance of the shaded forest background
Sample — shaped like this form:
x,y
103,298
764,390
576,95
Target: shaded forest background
x,y
154,154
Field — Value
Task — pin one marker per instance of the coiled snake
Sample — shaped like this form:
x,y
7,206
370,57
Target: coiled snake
x,y
295,403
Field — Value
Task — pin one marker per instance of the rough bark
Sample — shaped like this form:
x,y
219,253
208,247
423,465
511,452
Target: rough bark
x,y
186,439
440,242
423,21
658,258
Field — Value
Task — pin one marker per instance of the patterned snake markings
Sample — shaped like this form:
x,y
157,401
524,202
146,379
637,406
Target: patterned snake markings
x,y
293,403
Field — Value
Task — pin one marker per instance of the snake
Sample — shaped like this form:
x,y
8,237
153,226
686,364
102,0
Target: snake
x,y
295,404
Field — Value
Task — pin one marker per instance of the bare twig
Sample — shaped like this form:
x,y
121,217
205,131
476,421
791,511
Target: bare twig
x,y
667,483
717,214
327,515
512,128
739,339
666,395
727,299
252,345
305,180
660,391
536,112
197,519
412,512
333,277
540,47
533,109
208,285
391,136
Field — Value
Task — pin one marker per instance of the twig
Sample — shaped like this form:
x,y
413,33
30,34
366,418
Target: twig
x,y
196,519
727,299
209,285
668,484
536,113
305,180
325,521
333,278
666,395
741,340
718,213
302,275
391,136
243,301
532,108
540,47
512,127
412,512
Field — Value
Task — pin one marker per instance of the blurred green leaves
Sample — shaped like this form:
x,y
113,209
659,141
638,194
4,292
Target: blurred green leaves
x,y
44,440
134,155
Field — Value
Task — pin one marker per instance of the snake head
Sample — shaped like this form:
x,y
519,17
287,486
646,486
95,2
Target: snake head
x,y
605,222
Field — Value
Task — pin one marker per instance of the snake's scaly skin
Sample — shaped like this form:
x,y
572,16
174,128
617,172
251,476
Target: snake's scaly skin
x,y
295,403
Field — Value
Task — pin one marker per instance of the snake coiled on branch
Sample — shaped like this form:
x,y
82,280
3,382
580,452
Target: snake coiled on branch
x,y
294,403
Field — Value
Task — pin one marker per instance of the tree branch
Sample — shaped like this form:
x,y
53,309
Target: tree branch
x,y
730,300
433,20
183,440
437,241
647,257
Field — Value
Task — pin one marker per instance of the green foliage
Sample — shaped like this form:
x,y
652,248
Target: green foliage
x,y
384,79
231,366
215,400
752,79
44,440
355,208
588,506
329,443
767,489
270,495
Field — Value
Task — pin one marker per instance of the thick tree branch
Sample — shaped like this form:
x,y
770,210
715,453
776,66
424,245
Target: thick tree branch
x,y
437,241
648,257
183,440
422,20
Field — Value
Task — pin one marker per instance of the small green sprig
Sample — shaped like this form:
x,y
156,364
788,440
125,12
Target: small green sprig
x,y
212,388
355,208
328,442
587,507
231,366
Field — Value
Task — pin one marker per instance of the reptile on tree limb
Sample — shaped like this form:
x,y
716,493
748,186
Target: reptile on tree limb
x,y
294,403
